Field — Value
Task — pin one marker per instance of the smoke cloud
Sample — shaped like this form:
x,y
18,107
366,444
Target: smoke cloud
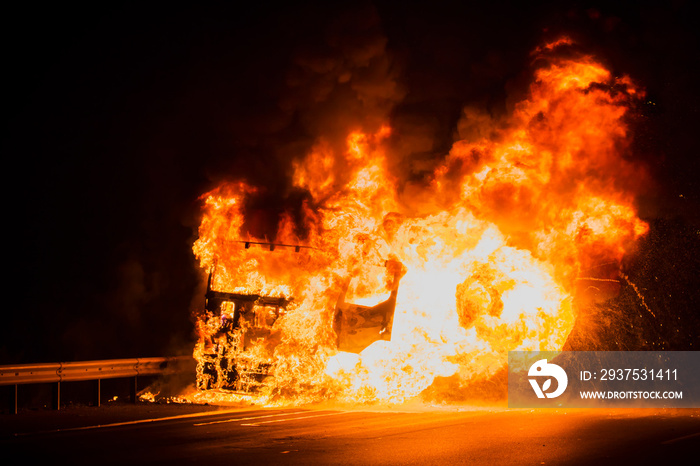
x,y
122,121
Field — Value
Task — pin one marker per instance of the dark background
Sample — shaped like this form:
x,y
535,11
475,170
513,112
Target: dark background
x,y
119,116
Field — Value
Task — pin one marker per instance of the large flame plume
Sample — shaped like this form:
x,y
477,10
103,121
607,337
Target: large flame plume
x,y
507,223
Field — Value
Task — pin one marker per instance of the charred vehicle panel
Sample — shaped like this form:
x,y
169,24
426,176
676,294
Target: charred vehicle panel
x,y
238,322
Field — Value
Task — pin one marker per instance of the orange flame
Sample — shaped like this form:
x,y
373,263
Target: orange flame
x,y
490,270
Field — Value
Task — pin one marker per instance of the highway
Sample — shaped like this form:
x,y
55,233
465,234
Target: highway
x,y
217,435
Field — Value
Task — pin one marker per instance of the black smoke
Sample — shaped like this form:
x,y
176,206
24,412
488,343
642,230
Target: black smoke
x,y
122,115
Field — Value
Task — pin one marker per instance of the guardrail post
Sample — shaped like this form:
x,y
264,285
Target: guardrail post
x,y
16,387
56,401
134,390
97,393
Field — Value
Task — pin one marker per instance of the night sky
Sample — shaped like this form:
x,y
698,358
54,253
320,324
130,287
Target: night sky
x,y
119,117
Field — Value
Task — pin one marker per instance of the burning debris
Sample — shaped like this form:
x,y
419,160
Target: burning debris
x,y
377,287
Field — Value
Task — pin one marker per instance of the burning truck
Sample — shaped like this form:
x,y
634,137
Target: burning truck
x,y
241,321
446,272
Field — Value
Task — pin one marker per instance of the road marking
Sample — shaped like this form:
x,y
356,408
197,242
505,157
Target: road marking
x,y
139,421
685,437
294,418
248,418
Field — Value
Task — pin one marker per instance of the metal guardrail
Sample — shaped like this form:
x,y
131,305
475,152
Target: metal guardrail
x,y
85,371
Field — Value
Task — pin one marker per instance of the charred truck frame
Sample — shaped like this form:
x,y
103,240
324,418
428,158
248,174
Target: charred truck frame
x,y
245,318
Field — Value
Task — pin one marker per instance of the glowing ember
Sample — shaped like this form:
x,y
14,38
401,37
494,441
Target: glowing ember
x,y
489,266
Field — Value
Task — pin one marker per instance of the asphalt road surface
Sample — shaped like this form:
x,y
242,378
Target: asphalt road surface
x,y
144,434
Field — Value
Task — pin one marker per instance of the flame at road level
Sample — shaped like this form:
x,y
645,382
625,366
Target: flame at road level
x,y
490,270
